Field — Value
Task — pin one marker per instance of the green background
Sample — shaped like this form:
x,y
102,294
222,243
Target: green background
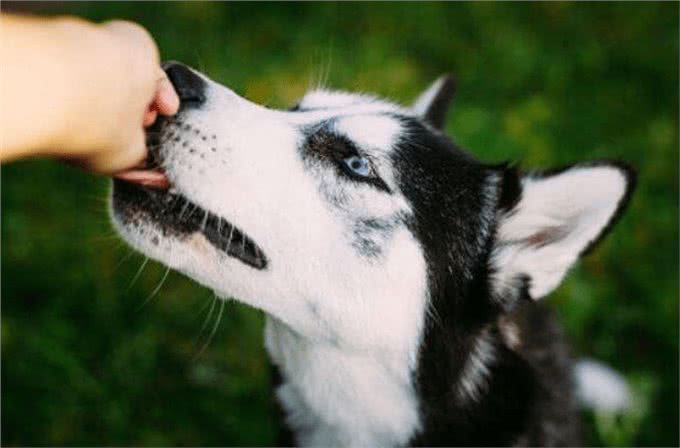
x,y
542,84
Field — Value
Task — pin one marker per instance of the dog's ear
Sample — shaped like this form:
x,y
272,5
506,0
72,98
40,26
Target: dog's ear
x,y
546,221
433,104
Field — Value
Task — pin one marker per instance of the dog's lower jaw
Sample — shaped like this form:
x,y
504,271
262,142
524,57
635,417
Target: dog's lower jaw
x,y
334,397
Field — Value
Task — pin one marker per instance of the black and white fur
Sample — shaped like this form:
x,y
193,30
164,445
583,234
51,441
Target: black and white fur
x,y
402,309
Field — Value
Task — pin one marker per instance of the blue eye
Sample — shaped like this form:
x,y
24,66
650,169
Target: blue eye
x,y
358,165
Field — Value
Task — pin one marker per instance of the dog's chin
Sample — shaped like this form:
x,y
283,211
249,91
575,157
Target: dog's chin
x,y
174,216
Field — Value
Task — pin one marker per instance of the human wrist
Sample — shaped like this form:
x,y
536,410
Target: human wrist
x,y
33,53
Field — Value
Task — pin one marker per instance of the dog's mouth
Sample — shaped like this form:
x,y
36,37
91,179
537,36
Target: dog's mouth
x,y
175,214
149,173
146,192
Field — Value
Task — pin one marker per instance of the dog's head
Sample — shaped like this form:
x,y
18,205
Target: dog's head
x,y
344,215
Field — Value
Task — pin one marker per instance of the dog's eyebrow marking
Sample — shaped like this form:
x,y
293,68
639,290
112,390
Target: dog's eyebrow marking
x,y
321,141
324,145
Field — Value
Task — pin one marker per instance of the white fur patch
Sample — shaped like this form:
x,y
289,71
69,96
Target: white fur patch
x,y
476,372
322,99
601,388
555,220
336,397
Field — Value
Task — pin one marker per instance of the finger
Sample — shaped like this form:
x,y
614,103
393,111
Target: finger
x,y
137,152
136,35
121,159
149,117
166,101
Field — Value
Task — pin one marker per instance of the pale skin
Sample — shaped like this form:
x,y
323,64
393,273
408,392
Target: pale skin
x,y
80,92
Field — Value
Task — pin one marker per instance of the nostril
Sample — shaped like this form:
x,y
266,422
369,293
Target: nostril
x,y
189,86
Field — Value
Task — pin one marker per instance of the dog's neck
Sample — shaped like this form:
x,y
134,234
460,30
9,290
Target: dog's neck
x,y
338,397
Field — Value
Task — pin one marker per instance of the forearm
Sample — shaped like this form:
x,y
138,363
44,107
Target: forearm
x,y
37,54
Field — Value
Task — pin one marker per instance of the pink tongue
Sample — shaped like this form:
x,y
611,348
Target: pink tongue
x,y
147,178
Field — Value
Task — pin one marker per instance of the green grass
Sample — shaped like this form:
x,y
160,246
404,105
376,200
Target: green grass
x,y
543,84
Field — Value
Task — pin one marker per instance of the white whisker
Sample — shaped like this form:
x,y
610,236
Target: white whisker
x,y
139,272
123,259
231,234
155,291
184,208
205,221
207,318
213,331
205,305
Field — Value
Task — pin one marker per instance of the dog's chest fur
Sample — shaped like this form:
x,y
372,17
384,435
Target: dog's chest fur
x,y
333,397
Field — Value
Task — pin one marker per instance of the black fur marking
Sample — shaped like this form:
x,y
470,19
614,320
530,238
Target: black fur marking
x,y
323,145
511,188
447,190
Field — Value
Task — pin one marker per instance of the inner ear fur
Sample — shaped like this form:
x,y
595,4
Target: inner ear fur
x,y
547,220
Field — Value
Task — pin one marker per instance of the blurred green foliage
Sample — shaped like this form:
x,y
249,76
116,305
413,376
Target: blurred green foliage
x,y
539,83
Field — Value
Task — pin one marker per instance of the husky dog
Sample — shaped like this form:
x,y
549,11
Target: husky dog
x,y
401,277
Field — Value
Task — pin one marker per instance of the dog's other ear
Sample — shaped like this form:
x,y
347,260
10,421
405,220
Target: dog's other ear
x,y
547,221
433,104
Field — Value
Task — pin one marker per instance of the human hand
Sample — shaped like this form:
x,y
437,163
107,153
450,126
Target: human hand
x,y
138,91
80,92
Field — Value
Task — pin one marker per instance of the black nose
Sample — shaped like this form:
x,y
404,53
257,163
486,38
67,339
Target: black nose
x,y
189,86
